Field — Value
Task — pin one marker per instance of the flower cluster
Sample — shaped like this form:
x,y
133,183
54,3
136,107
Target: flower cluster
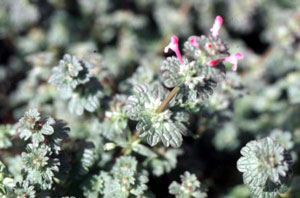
x,y
198,72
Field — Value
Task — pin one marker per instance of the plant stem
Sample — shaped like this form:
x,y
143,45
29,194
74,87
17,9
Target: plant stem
x,y
201,129
166,101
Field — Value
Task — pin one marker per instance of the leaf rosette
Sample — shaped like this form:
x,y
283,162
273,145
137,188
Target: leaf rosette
x,y
39,166
266,166
34,127
165,126
69,74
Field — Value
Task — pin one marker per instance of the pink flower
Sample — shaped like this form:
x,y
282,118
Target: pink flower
x,y
173,45
217,26
233,59
194,42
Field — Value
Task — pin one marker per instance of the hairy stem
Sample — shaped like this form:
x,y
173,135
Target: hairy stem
x,y
166,101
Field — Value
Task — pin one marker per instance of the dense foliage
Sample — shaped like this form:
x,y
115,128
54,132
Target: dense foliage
x,y
100,98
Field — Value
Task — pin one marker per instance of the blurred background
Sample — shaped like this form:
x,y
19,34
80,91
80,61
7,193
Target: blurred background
x,y
127,37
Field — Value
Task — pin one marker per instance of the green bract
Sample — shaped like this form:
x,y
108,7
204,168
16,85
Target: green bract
x,y
210,48
266,167
189,187
176,74
165,126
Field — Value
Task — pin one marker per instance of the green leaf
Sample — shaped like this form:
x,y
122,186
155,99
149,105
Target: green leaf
x,y
87,158
143,150
47,128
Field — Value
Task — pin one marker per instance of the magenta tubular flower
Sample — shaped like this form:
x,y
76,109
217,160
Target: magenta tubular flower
x,y
173,45
217,26
233,59
194,42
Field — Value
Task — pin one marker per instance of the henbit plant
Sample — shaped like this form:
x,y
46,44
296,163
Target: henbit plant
x,y
161,116
192,78
42,158
125,122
